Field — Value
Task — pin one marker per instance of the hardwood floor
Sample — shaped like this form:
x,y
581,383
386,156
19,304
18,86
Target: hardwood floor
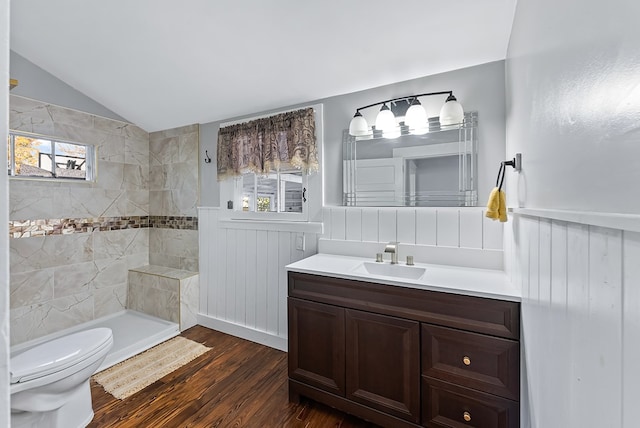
x,y
236,384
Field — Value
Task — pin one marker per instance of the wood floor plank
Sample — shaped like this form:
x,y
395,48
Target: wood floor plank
x,y
236,384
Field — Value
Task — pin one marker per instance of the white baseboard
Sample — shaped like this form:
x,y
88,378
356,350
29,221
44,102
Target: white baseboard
x,y
243,332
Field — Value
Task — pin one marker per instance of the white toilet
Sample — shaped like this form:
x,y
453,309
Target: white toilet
x,y
50,382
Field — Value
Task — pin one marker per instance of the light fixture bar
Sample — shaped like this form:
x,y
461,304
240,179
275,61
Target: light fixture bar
x,y
409,107
405,98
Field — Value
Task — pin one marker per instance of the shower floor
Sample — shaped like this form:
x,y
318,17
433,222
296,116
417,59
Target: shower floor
x,y
133,332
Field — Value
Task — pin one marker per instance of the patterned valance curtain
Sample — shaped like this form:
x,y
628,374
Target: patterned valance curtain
x,y
271,143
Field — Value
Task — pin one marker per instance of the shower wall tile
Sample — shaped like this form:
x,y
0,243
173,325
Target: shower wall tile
x,y
49,251
189,301
121,242
28,288
112,149
110,300
112,271
136,151
136,177
30,322
73,279
28,200
174,248
162,150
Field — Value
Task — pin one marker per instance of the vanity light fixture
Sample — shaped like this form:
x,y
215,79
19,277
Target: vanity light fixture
x,y
415,117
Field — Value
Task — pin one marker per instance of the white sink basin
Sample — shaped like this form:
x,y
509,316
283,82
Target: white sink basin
x,y
393,271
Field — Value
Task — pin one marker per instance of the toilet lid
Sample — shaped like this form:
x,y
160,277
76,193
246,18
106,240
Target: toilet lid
x,y
57,354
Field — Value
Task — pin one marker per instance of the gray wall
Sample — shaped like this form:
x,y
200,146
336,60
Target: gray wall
x,y
38,84
573,111
479,88
573,104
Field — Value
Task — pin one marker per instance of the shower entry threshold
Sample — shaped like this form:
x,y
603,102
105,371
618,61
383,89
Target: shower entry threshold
x,y
133,333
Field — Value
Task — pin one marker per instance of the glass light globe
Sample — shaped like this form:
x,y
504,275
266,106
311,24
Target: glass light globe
x,y
385,121
416,119
358,126
451,112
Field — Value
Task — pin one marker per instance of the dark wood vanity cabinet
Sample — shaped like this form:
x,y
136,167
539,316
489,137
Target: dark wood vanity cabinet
x,y
404,357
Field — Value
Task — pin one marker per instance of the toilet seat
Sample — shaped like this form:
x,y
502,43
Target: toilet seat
x,y
59,354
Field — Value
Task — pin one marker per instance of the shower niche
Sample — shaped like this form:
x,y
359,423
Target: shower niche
x,y
437,168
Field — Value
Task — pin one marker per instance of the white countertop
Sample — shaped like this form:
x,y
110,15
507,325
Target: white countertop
x,y
488,283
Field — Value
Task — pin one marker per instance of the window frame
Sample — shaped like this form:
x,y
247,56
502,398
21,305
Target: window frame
x,y
231,188
91,159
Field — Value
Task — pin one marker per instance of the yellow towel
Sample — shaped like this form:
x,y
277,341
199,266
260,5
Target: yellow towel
x,y
497,205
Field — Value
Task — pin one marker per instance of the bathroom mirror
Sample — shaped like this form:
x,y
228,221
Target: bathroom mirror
x,y
437,168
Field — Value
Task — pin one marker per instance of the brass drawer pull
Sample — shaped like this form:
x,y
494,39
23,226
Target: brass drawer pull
x,y
466,416
466,360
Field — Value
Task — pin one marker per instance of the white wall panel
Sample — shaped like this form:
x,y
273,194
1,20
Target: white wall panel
x,y
251,271
354,225
273,286
426,227
239,268
448,228
262,282
605,325
631,328
338,223
221,285
387,225
231,273
471,228
284,258
370,225
406,226
492,233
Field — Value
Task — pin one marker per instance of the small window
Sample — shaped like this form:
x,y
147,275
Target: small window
x,y
279,192
35,156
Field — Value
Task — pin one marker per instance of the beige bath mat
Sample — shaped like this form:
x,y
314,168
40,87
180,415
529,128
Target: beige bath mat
x,y
132,375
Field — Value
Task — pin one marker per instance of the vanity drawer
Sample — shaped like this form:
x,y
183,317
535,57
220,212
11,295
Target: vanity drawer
x,y
486,363
489,316
446,405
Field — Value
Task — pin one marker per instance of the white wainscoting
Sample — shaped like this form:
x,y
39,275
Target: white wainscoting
x,y
580,321
244,282
243,289
453,236
443,227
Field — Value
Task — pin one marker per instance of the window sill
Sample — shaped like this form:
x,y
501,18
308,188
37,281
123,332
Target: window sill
x,y
52,180
279,225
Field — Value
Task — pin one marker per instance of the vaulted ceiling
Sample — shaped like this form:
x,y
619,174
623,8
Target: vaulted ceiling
x,y
165,63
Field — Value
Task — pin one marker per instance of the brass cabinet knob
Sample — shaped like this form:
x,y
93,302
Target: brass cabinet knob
x,y
466,416
466,360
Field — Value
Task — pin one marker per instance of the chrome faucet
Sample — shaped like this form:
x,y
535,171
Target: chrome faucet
x,y
392,247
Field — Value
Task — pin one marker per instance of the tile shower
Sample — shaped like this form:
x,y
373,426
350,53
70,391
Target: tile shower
x,y
73,243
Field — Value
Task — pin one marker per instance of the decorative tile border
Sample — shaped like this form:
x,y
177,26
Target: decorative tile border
x,y
173,222
66,226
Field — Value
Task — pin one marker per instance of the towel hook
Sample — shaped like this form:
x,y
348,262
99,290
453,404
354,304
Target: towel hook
x,y
515,163
207,159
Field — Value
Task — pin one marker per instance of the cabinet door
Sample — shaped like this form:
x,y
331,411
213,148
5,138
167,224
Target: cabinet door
x,y
316,345
383,363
